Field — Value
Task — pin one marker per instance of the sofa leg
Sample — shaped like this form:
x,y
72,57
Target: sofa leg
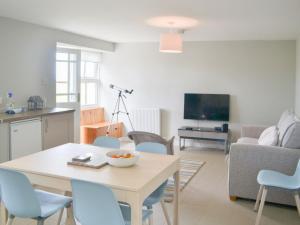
x,y
233,198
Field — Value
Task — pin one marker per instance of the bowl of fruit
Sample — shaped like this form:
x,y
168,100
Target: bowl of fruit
x,y
122,158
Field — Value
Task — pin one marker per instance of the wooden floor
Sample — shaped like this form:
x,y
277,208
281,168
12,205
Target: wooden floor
x,y
205,200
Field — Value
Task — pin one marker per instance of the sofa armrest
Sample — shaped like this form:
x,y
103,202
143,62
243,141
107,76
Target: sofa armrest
x,y
252,131
246,160
264,157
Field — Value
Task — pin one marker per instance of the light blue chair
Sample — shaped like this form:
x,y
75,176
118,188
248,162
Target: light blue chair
x,y
95,204
272,179
21,200
157,195
107,142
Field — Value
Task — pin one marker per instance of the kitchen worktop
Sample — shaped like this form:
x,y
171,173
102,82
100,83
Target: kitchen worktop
x,y
5,118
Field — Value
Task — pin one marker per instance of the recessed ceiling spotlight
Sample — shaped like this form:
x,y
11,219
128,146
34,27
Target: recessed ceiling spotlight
x,y
177,22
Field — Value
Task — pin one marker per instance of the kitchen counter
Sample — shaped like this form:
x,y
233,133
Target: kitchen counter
x,y
5,118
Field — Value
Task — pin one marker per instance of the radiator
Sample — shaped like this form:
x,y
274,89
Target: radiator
x,y
147,119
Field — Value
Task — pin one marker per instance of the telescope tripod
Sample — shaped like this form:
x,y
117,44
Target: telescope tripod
x,y
117,111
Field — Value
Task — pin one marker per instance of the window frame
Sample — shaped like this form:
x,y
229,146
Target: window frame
x,y
75,95
86,79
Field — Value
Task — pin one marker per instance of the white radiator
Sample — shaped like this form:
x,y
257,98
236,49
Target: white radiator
x,y
146,119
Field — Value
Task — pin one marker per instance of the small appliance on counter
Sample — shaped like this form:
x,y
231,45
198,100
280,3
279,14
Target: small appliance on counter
x,y
35,103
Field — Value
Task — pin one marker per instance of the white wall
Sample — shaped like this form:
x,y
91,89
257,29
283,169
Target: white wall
x,y
297,97
259,76
27,58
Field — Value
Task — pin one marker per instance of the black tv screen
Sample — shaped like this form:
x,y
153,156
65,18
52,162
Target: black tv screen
x,y
206,107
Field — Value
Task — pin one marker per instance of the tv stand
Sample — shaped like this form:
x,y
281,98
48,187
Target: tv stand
x,y
203,133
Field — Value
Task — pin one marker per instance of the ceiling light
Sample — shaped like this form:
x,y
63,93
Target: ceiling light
x,y
178,22
170,43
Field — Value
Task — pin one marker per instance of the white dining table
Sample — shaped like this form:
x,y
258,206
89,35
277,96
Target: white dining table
x,y
132,185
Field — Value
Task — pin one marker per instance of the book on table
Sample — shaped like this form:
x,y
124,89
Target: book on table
x,y
95,161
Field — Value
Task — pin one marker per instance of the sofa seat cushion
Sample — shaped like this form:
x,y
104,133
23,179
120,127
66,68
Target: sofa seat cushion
x,y
247,140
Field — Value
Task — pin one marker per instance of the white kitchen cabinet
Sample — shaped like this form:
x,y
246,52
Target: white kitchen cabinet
x,y
25,137
58,129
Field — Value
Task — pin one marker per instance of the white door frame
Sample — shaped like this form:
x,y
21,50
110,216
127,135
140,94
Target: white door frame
x,y
76,104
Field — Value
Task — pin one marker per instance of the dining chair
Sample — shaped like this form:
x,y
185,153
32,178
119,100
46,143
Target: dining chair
x,y
107,142
95,204
272,179
21,200
158,194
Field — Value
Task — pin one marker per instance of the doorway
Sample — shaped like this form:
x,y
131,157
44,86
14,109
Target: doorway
x,y
77,81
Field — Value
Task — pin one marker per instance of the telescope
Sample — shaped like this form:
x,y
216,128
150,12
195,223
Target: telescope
x,y
121,89
117,111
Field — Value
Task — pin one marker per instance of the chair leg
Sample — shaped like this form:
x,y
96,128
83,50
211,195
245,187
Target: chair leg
x,y
297,202
61,212
150,220
261,206
165,212
10,220
40,222
258,197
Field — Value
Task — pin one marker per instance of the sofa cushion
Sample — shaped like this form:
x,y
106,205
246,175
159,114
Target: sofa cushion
x,y
246,140
283,125
291,138
269,136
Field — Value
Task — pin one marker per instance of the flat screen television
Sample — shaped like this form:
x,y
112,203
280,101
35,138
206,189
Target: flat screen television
x,y
206,107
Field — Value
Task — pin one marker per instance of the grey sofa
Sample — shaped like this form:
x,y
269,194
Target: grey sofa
x,y
247,158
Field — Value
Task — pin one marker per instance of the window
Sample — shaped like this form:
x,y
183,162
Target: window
x,y
66,75
77,69
90,78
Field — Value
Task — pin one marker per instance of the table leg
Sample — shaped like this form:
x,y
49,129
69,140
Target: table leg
x,y
184,143
176,199
4,214
179,143
136,211
70,217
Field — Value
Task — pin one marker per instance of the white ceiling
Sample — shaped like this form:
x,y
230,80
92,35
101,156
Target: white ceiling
x,y
124,20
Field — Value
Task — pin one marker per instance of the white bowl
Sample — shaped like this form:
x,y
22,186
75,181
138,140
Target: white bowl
x,y
122,162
